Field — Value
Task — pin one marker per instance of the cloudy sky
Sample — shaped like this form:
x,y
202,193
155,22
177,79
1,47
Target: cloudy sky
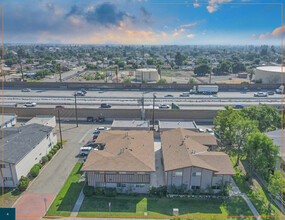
x,y
144,23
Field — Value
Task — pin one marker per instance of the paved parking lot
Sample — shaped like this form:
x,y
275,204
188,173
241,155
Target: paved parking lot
x,y
53,176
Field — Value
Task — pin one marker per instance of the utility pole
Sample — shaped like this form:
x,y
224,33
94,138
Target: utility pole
x,y
153,103
75,103
58,115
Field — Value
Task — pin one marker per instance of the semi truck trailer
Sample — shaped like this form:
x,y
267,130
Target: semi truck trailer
x,y
204,89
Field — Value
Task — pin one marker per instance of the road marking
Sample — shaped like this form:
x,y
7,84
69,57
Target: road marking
x,y
84,136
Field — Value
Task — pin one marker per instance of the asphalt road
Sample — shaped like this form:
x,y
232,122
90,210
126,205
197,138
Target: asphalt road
x,y
64,76
130,99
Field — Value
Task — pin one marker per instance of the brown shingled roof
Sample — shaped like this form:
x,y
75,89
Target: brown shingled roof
x,y
181,148
123,151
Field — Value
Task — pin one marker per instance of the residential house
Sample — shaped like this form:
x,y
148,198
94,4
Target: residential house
x,y
24,147
126,161
188,162
9,120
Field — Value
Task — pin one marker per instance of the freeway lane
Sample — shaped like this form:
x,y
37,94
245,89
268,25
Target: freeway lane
x,y
130,99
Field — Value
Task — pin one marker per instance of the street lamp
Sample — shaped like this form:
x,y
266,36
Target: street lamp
x,y
75,103
59,124
153,103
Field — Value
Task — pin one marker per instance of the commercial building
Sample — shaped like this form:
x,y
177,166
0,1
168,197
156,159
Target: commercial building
x,y
9,120
269,74
126,161
47,120
146,74
24,147
130,125
187,161
164,125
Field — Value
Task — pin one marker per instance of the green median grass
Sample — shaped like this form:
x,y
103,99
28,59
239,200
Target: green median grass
x,y
135,207
67,197
10,197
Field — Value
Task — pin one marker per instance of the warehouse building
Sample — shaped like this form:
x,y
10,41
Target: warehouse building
x,y
146,75
269,74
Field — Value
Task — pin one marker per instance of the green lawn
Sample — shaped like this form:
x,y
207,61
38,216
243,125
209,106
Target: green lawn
x,y
10,197
127,206
66,198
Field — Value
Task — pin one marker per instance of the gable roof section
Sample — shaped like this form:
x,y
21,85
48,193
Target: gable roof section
x,y
19,141
124,151
180,149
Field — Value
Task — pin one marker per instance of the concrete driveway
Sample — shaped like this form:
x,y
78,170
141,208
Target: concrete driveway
x,y
158,178
53,176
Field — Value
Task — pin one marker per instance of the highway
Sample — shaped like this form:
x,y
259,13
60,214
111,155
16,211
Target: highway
x,y
130,99
65,75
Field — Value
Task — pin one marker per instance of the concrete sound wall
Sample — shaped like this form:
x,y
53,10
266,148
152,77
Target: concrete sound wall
x,y
111,114
150,86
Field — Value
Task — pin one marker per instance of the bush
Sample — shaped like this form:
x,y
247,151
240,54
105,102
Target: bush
x,y
35,171
158,191
52,152
39,165
49,156
55,149
99,191
44,159
110,192
23,184
88,190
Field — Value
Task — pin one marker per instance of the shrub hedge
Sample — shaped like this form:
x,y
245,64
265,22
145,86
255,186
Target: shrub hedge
x,y
44,160
35,170
49,156
23,184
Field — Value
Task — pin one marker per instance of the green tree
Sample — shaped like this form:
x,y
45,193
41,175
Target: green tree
x,y
202,69
261,154
58,69
162,81
179,58
242,128
127,80
192,81
251,74
274,183
238,67
150,61
267,116
224,125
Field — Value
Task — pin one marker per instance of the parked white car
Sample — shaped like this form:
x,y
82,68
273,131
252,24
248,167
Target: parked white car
x,y
30,104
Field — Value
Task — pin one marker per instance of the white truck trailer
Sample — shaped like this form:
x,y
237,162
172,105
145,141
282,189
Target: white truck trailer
x,y
204,89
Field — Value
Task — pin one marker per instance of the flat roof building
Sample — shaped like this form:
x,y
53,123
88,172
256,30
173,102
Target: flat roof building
x,y
9,120
130,125
47,120
164,125
146,74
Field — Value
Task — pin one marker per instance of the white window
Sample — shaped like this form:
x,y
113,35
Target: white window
x,y
140,185
121,185
122,172
8,178
176,173
196,174
140,172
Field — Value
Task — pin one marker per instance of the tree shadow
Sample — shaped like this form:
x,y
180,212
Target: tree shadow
x,y
185,205
117,204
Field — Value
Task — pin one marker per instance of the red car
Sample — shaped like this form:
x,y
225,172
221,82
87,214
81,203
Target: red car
x,y
59,106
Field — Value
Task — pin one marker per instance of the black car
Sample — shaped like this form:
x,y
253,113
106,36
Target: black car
x,y
105,105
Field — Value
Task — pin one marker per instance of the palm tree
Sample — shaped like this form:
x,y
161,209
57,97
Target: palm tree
x,y
158,67
21,53
116,72
58,68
